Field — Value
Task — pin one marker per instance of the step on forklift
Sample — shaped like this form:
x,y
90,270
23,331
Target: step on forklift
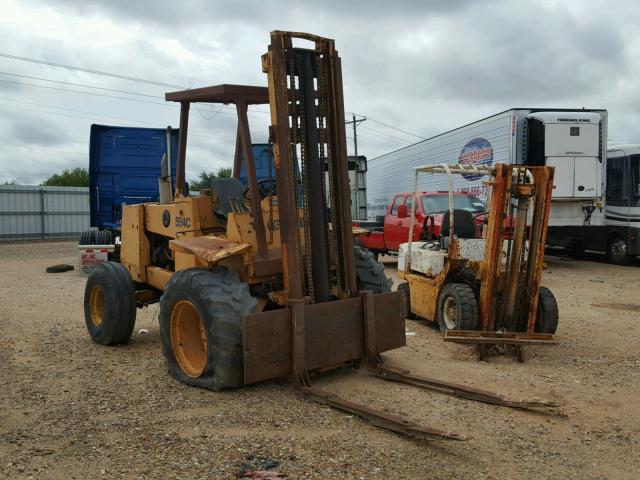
x,y
485,291
259,283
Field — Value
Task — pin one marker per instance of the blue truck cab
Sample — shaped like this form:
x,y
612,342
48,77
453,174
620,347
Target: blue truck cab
x,y
124,166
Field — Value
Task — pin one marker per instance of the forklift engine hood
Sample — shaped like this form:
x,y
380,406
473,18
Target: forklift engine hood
x,y
209,250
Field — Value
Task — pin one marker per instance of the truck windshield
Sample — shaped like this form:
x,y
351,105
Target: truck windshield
x,y
440,203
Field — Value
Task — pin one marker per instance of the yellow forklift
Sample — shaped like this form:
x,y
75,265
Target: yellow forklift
x,y
485,291
265,282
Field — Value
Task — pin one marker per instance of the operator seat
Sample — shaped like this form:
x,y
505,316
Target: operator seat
x,y
463,226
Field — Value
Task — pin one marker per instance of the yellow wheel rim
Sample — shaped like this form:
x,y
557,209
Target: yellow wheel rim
x,y
188,339
97,306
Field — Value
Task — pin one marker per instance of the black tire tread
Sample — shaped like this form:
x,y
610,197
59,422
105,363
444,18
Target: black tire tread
x,y
467,306
119,300
85,238
404,288
370,273
547,314
222,300
612,258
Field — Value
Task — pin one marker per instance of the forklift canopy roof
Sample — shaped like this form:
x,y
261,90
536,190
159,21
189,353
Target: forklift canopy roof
x,y
225,93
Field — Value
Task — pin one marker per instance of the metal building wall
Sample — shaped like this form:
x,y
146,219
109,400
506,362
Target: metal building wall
x,y
34,212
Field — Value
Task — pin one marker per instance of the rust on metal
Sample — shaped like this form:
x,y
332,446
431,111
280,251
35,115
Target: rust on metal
x,y
334,334
182,147
209,249
379,418
247,151
456,389
499,338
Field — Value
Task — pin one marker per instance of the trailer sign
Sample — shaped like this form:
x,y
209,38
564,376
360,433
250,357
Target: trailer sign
x,y
476,152
92,255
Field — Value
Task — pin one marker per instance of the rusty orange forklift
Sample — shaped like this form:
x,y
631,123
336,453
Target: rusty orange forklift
x,y
259,283
486,291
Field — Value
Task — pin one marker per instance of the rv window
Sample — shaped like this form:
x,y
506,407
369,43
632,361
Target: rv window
x,y
617,194
634,168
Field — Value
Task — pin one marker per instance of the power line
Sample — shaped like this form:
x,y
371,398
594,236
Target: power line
x,y
164,104
389,126
95,115
87,93
89,70
385,135
152,82
81,85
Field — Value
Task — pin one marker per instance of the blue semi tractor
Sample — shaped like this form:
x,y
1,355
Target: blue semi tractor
x,y
124,167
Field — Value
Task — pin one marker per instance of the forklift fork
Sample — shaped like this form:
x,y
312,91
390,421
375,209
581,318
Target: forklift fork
x,y
376,367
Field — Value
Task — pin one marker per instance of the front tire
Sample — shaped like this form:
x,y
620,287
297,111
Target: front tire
x,y
457,308
547,312
110,304
201,327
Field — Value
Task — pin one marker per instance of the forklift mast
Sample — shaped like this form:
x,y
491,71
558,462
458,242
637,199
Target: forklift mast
x,y
308,132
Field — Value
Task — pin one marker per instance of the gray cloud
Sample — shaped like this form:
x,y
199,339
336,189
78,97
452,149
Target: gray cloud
x,y
423,66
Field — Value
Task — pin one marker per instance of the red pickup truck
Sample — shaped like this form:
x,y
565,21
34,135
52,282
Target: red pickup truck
x,y
387,236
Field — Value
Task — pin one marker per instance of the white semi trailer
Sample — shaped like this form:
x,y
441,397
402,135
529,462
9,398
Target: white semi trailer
x,y
574,141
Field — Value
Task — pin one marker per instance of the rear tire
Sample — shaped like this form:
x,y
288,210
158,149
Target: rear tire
x,y
404,288
201,327
547,314
617,251
457,308
369,273
104,237
110,304
86,237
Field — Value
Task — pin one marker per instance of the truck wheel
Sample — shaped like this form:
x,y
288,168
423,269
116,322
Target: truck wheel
x,y
617,251
104,237
110,304
201,327
404,288
457,308
369,273
85,237
547,314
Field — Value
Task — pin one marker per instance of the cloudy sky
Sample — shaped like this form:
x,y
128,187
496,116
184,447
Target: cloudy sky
x,y
415,69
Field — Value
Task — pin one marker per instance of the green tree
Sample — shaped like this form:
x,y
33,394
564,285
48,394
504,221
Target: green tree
x,y
205,178
10,182
78,177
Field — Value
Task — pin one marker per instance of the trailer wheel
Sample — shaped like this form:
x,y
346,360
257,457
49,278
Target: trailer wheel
x,y
86,237
104,237
369,273
617,251
404,288
457,308
200,327
547,314
110,304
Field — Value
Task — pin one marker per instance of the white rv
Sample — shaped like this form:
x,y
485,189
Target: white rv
x,y
620,237
574,141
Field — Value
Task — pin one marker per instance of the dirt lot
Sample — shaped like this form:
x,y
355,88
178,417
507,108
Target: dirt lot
x,y
73,409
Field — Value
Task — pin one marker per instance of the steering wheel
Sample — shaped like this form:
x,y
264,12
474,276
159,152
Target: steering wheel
x,y
266,187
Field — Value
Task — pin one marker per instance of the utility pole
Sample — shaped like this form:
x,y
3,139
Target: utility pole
x,y
355,122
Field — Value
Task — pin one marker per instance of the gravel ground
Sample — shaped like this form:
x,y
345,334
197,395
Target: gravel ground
x,y
73,409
